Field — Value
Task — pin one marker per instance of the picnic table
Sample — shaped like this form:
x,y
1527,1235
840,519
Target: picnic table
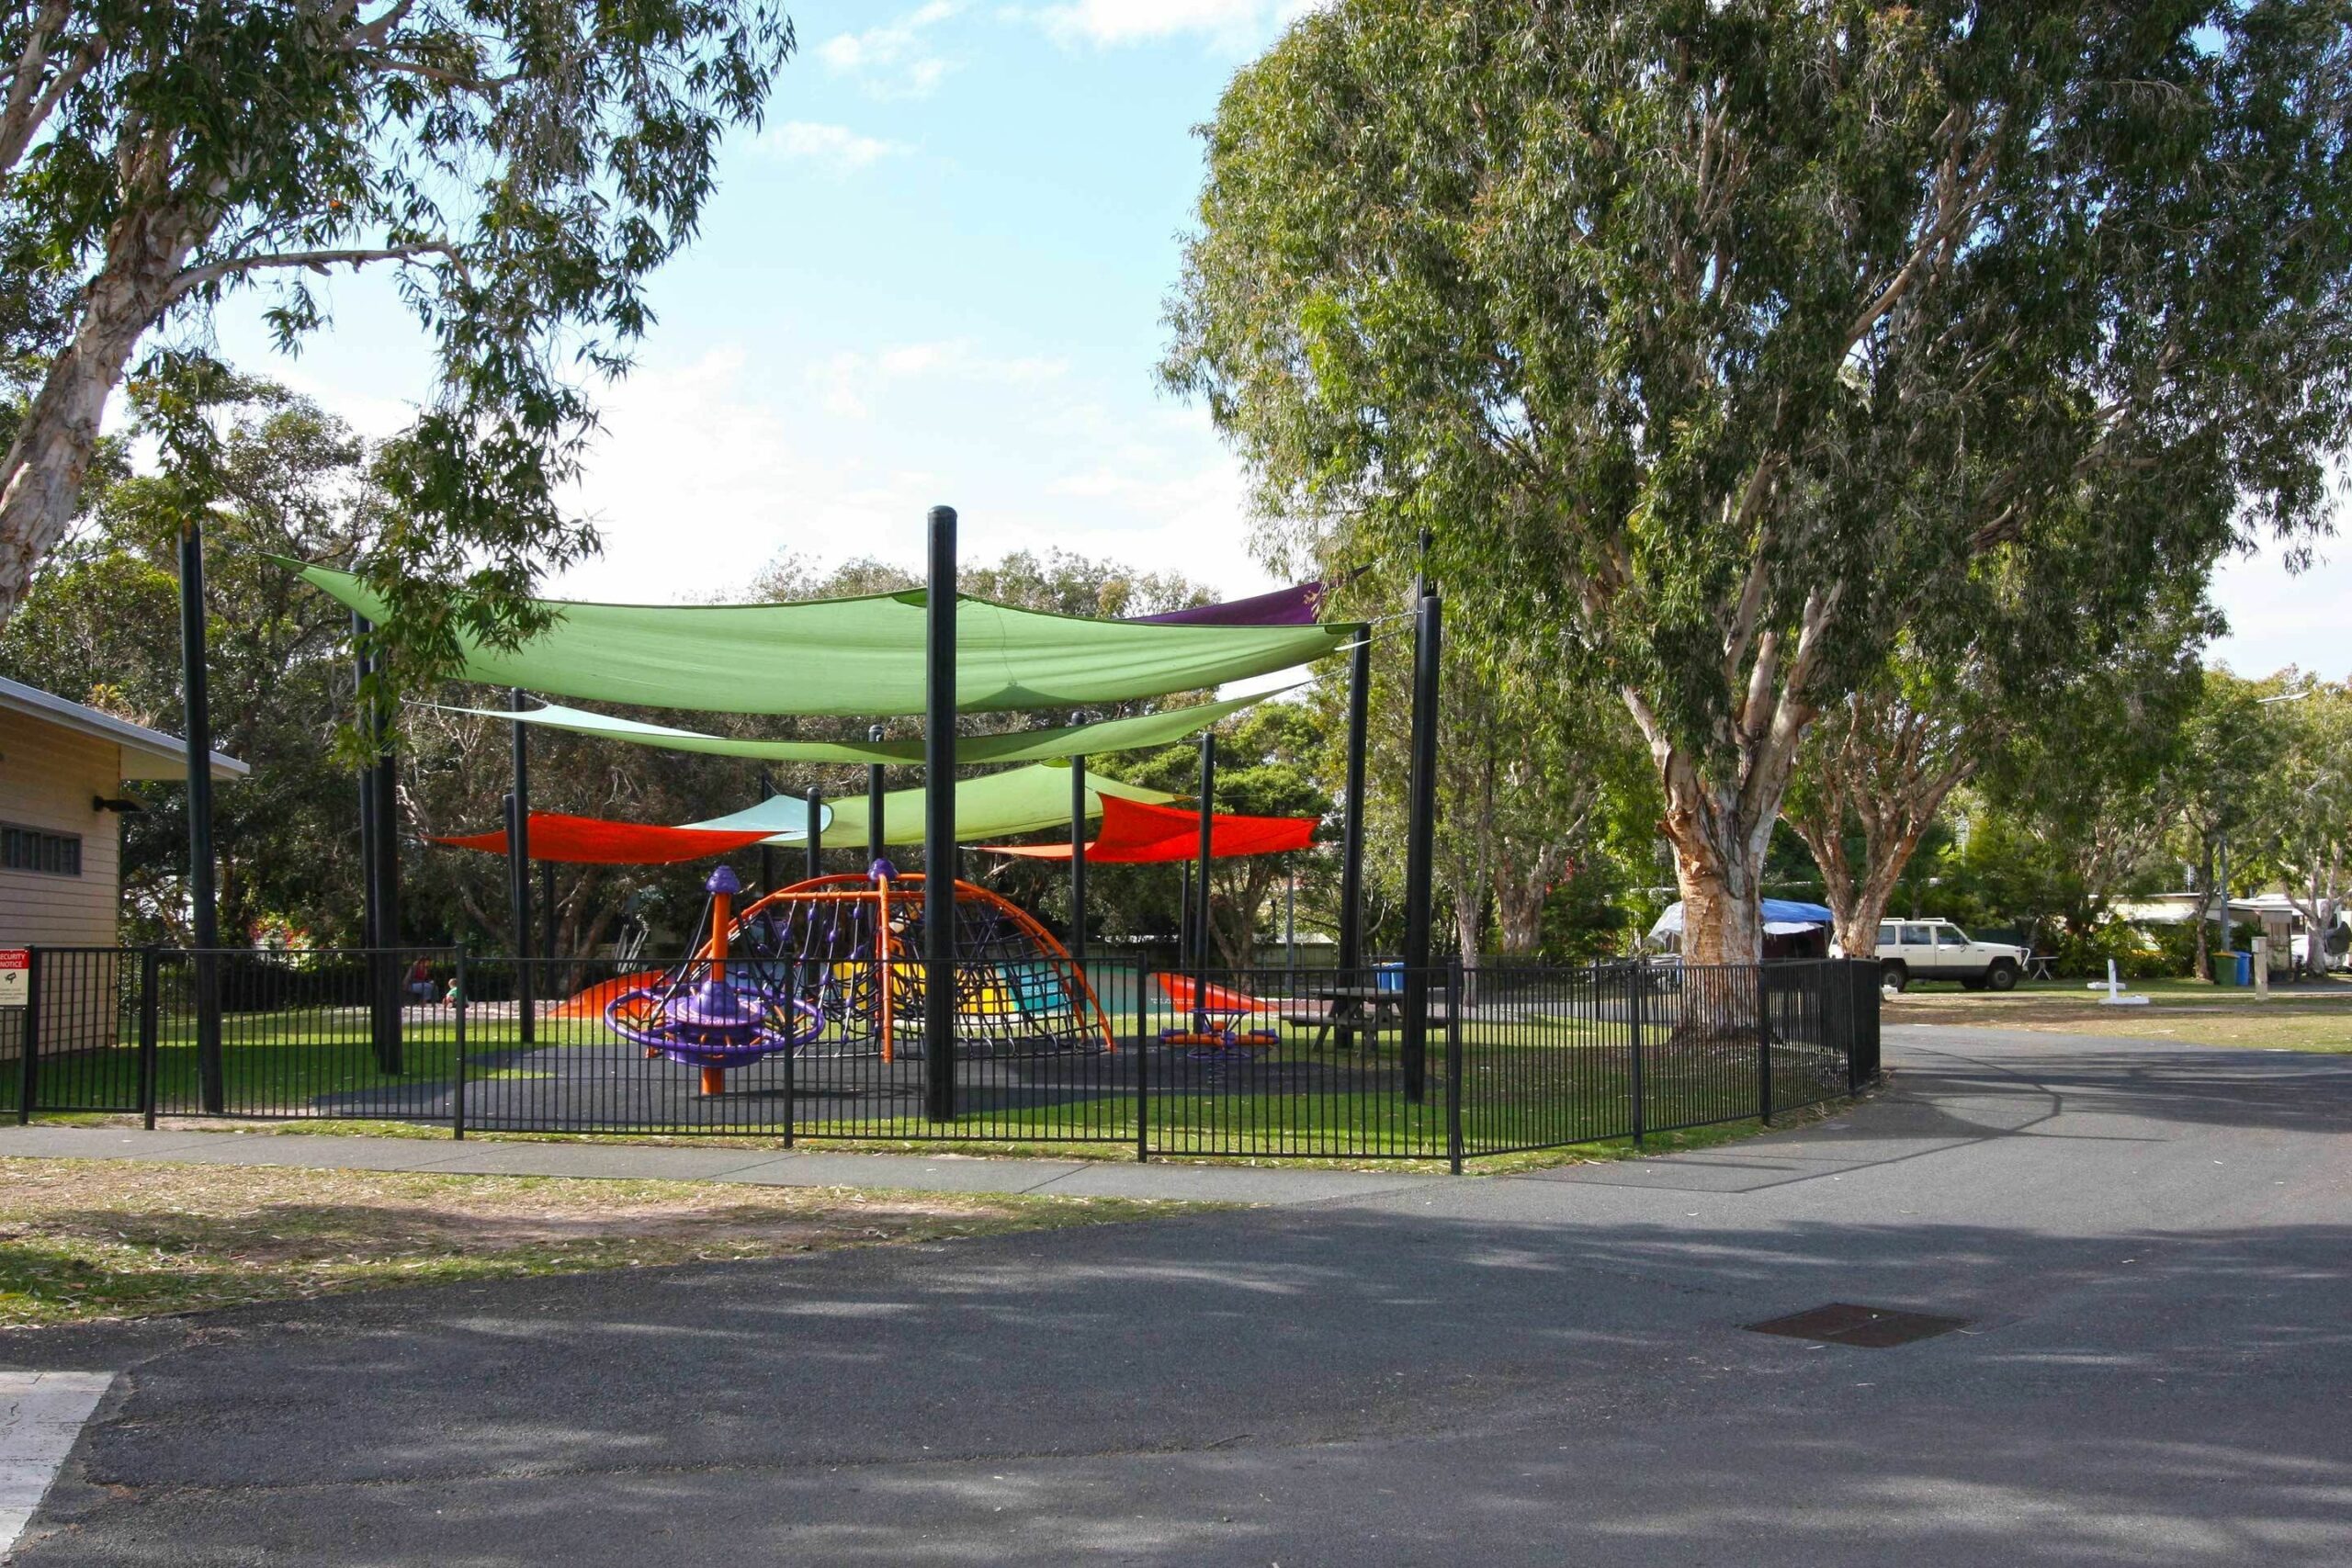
x,y
1366,1009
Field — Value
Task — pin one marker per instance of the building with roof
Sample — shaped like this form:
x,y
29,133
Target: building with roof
x,y
63,765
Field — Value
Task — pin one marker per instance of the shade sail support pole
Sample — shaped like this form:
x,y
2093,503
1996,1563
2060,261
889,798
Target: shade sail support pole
x,y
1350,954
518,872
874,807
369,901
1420,833
1078,862
814,832
1201,914
767,851
196,701
939,822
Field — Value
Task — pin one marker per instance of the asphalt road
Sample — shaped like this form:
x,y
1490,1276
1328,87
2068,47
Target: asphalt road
x,y
2150,1243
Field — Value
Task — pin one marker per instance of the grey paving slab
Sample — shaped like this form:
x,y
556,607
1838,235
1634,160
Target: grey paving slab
x,y
96,1143
480,1157
306,1151
41,1413
913,1172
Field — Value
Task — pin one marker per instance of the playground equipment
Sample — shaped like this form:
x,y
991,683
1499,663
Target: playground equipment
x,y
1217,1014
702,1015
848,945
829,966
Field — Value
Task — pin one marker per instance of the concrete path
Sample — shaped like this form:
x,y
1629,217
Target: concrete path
x,y
1274,1185
2149,1244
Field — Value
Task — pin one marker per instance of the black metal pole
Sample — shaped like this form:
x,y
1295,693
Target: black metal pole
x,y
1078,862
1208,811
767,851
814,836
939,824
385,800
1420,832
457,1044
873,803
547,908
1350,953
1184,924
369,864
518,873
203,900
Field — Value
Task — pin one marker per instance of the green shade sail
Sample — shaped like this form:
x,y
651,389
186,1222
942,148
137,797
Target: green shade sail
x,y
849,657
1020,800
1032,746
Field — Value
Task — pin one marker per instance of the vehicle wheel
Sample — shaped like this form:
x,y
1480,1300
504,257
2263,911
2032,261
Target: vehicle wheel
x,y
1893,977
2001,977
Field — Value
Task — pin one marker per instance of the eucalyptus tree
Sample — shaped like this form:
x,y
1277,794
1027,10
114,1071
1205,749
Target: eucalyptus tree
x,y
1723,340
2303,813
2051,662
521,165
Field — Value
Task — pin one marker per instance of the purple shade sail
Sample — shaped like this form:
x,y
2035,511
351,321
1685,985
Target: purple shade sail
x,y
1295,606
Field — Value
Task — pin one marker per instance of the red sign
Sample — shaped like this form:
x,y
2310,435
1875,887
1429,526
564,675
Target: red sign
x,y
16,976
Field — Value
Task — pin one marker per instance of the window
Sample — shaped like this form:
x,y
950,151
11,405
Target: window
x,y
1886,935
31,849
1916,936
1950,936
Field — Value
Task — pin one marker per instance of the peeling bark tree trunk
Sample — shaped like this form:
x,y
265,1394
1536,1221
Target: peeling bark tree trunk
x,y
40,480
1887,767
1720,811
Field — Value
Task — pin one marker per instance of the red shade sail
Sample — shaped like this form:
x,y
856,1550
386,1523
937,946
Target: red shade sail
x,y
592,840
1135,832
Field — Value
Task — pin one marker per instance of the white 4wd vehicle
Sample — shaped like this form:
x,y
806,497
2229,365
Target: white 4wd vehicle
x,y
1937,950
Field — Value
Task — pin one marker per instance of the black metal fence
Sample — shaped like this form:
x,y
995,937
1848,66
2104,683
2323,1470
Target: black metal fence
x,y
1450,1063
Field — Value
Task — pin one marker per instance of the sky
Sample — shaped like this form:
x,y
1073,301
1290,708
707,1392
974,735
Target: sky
x,y
936,275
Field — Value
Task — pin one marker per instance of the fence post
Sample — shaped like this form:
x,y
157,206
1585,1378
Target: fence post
x,y
1763,1048
148,963
1640,973
791,1081
1454,1003
458,1087
28,1081
1143,1060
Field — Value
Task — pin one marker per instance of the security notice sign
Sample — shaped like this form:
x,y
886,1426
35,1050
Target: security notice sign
x,y
16,976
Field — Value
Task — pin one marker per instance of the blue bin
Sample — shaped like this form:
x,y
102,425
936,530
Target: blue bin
x,y
2244,966
1388,977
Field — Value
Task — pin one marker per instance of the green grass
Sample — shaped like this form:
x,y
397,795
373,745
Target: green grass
x,y
2185,1013
93,1239
1539,1081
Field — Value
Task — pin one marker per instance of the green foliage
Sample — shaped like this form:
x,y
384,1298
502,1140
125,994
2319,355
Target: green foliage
x,y
102,627
1724,341
524,164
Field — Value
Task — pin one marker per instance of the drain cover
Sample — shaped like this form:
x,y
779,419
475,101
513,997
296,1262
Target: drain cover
x,y
1843,1323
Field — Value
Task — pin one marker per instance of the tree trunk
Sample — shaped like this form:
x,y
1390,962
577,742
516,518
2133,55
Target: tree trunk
x,y
2204,970
41,481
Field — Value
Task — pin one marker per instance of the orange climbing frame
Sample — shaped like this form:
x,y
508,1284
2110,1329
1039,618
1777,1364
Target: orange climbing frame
x,y
906,888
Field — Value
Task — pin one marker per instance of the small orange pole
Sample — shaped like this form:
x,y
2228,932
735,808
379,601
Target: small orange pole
x,y
882,947
722,911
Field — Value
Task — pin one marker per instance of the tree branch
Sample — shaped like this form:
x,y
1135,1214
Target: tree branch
x,y
317,261
26,112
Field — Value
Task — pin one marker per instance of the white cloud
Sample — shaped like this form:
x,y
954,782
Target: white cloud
x,y
896,60
1240,24
836,148
849,384
707,470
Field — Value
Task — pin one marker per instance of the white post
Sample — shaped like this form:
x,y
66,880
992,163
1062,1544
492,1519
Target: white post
x,y
2261,969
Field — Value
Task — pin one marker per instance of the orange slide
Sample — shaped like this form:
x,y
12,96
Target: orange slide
x,y
592,1002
